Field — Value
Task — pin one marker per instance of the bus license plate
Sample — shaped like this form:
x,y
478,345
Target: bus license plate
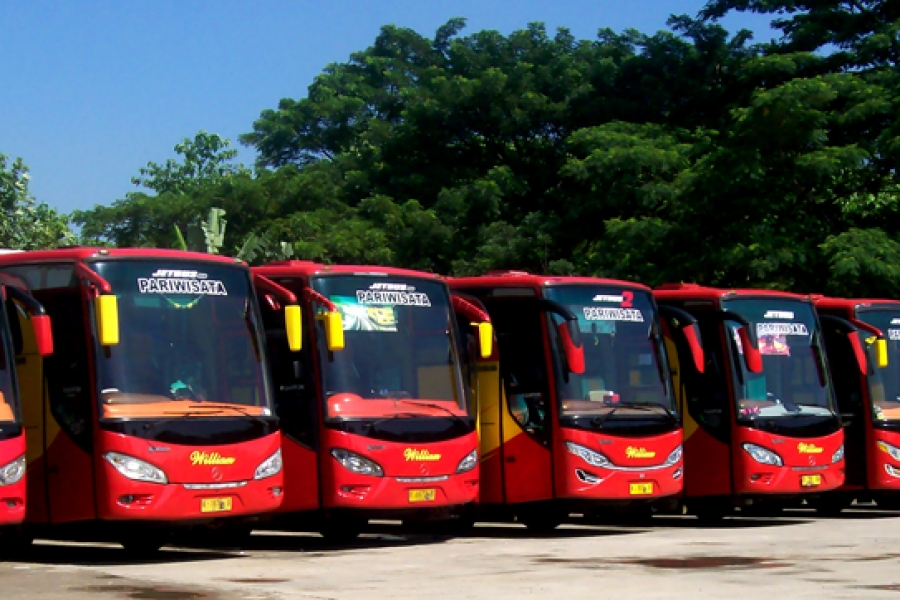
x,y
209,505
640,489
422,495
810,480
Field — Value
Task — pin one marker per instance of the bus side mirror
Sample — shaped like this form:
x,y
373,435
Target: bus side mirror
x,y
881,353
692,335
334,330
293,326
858,352
106,307
574,354
752,357
43,334
485,339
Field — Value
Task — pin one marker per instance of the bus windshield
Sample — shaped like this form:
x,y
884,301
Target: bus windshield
x,y
794,380
626,373
10,411
884,384
400,356
189,342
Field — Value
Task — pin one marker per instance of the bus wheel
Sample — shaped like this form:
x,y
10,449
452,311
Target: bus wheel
x,y
224,536
888,503
829,507
15,542
538,522
342,529
143,543
762,510
710,514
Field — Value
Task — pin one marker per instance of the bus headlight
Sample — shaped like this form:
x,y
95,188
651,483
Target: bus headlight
x,y
13,472
269,467
838,455
135,468
892,450
763,455
674,457
589,456
357,464
468,463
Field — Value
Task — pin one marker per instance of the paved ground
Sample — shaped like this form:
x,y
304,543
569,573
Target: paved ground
x,y
797,556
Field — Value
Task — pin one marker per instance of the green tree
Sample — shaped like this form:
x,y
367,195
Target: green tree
x,y
27,224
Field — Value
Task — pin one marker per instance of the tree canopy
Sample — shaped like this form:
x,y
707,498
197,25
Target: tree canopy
x,y
689,154
25,223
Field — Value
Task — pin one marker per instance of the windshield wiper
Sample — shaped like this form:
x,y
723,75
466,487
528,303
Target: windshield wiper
x,y
645,406
238,409
400,415
599,421
452,414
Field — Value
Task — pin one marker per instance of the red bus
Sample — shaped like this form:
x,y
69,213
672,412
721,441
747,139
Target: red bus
x,y
25,334
760,423
576,409
862,338
155,408
375,411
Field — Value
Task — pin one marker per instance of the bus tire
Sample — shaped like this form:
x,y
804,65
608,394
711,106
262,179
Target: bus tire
x,y
15,542
541,522
143,544
342,529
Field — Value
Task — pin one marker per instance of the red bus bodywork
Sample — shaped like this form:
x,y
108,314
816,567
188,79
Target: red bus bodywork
x,y
534,470
867,396
720,471
79,428
419,459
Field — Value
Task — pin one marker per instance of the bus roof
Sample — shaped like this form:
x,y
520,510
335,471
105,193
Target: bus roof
x,y
693,291
307,268
82,253
851,304
508,279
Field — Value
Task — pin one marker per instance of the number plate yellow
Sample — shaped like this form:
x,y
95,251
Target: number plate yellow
x,y
640,489
422,495
208,505
810,480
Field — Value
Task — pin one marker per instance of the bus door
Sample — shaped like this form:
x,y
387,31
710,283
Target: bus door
x,y
849,389
67,418
294,394
704,402
526,406
483,375
29,375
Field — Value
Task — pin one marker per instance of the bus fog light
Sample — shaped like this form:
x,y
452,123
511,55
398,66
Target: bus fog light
x,y
468,463
586,477
355,463
13,472
135,468
763,455
892,471
677,474
269,467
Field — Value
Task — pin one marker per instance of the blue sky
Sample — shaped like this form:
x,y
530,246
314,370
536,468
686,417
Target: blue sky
x,y
91,91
